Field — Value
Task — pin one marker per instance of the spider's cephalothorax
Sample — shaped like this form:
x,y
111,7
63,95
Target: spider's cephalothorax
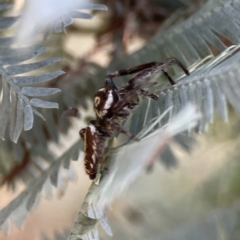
x,y
104,102
113,105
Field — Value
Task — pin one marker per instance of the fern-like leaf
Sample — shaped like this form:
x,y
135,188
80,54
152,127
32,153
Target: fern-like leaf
x,y
19,208
36,19
23,93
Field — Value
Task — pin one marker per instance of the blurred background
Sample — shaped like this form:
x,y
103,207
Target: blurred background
x,y
193,192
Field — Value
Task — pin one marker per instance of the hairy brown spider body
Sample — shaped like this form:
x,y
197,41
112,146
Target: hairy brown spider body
x,y
113,105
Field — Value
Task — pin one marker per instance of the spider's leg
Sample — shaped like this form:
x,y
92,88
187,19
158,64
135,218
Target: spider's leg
x,y
118,128
168,77
172,61
126,71
130,97
103,163
147,94
157,68
122,113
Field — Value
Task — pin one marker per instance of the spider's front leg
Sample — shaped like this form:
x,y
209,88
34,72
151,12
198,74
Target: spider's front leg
x,y
161,66
126,71
146,70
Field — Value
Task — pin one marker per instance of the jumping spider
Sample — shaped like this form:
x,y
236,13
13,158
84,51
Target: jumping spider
x,y
113,105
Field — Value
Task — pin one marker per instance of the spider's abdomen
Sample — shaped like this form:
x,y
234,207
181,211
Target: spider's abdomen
x,y
104,102
90,157
94,138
